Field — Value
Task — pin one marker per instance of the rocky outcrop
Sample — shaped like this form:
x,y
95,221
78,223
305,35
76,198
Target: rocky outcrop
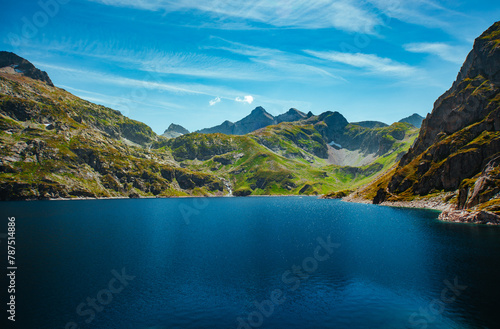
x,y
472,217
482,188
22,66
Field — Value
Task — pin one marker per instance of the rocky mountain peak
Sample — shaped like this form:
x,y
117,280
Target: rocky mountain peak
x,y
414,119
465,102
260,112
175,130
458,145
12,63
290,116
259,109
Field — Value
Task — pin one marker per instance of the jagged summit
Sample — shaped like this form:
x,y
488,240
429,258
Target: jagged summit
x,y
257,119
291,115
14,64
259,109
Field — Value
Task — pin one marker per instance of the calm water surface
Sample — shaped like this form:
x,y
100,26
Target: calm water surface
x,y
222,262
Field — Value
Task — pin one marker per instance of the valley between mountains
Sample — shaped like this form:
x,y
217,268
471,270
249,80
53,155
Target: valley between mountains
x,y
56,145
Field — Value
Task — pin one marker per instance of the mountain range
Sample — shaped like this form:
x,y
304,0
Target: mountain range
x,y
56,145
258,118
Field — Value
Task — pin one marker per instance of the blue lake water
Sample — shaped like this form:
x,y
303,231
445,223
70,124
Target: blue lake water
x,y
263,262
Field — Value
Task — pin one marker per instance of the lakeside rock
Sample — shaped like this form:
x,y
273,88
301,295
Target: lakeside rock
x,y
473,217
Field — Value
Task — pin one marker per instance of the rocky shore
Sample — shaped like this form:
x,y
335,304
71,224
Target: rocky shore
x,y
473,217
448,210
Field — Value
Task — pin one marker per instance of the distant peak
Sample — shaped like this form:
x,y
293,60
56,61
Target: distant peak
x,y
414,119
177,128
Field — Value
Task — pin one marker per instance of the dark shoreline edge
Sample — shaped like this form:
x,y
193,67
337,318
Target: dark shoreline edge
x,y
448,211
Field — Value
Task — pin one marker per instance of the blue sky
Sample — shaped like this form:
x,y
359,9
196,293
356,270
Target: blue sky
x,y
198,63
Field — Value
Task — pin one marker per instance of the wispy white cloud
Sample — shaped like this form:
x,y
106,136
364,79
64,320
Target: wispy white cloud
x,y
294,65
346,15
428,13
214,101
444,51
246,99
372,63
146,84
261,64
110,100
360,16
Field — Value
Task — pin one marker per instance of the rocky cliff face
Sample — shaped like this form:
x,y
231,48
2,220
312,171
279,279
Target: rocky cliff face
x,y
459,142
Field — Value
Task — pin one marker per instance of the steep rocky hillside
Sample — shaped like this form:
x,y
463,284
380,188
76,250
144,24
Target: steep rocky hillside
x,y
458,148
53,144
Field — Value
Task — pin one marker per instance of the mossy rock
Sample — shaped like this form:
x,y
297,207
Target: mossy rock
x,y
242,191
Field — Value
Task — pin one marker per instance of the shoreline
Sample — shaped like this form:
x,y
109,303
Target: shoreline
x,y
448,212
433,203
161,197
